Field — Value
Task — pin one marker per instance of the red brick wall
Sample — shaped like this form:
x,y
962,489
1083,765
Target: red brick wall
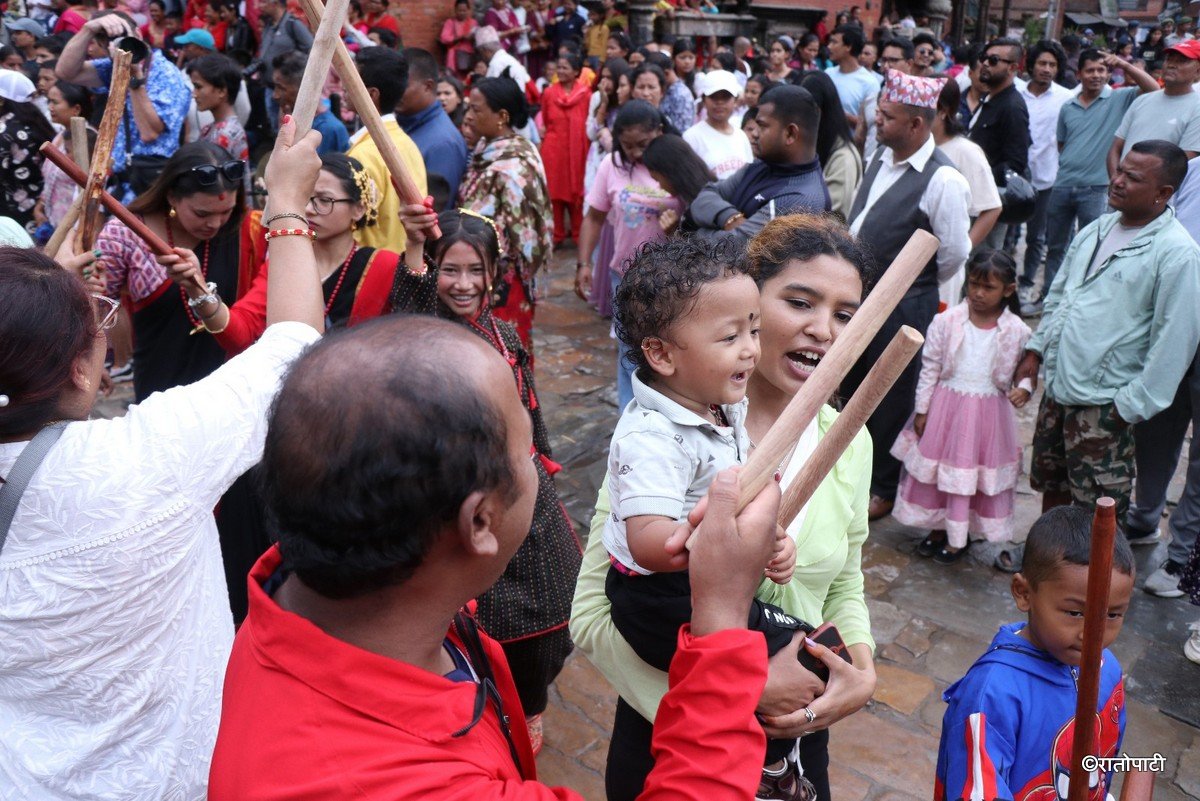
x,y
421,22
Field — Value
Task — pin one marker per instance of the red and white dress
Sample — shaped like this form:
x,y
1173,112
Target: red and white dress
x,y
961,475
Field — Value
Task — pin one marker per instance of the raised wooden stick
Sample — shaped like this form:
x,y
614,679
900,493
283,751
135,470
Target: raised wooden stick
x,y
879,380
343,64
325,42
1095,616
79,150
64,163
106,135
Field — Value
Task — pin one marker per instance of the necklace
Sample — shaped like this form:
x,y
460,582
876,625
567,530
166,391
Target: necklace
x,y
341,277
192,318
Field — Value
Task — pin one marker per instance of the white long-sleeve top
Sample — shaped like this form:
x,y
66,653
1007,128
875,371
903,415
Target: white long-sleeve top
x,y
114,613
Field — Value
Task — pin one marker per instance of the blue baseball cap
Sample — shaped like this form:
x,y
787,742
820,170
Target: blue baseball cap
x,y
198,37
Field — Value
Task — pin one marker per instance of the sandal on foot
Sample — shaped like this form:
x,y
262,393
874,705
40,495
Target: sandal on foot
x,y
1009,560
945,556
932,543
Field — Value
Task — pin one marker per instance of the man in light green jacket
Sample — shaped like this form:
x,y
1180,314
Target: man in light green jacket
x,y
1121,324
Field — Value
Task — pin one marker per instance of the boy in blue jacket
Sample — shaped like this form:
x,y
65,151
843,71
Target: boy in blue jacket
x,y
1008,730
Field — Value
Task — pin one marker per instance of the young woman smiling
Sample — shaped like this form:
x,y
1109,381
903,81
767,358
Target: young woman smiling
x,y
811,276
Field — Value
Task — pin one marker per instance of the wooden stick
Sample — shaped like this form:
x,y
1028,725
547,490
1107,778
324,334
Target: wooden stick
x,y
1095,616
79,150
143,232
900,351
106,136
1138,785
343,64
326,40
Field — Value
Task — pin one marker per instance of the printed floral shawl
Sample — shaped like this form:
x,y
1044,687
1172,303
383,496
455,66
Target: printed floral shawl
x,y
507,182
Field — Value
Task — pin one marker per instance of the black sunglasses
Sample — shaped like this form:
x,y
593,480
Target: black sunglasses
x,y
207,174
992,61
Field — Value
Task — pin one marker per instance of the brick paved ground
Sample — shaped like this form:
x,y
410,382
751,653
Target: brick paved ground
x,y
930,622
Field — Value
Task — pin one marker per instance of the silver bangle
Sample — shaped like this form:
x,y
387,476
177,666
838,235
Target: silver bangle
x,y
210,296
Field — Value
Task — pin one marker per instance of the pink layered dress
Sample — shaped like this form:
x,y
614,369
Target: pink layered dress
x,y
960,476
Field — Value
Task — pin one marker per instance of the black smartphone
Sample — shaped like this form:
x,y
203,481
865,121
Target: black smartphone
x,y
828,636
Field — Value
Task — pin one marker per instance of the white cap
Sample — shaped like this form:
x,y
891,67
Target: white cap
x,y
16,87
719,81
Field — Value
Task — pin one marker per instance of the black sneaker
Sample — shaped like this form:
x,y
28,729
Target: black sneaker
x,y
1137,536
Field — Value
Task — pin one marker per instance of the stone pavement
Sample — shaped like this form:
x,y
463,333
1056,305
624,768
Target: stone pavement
x,y
930,622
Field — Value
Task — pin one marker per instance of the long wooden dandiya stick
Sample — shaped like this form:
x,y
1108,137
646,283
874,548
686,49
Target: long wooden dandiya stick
x,y
143,232
803,407
79,150
1095,616
879,380
106,135
325,42
343,64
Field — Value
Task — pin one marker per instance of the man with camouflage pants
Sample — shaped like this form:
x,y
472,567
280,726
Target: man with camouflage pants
x,y
1119,331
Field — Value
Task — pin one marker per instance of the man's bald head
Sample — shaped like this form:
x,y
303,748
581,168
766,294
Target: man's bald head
x,y
378,435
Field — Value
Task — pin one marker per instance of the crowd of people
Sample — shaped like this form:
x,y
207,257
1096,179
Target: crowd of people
x,y
259,584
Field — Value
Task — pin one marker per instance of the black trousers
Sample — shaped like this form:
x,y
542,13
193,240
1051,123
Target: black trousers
x,y
535,662
630,761
916,310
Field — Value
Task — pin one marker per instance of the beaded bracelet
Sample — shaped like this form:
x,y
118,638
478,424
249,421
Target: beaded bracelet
x,y
269,235
267,222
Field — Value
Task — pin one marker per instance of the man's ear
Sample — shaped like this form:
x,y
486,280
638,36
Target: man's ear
x,y
1022,592
660,355
477,517
374,93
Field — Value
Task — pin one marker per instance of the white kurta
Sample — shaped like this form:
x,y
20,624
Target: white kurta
x,y
114,616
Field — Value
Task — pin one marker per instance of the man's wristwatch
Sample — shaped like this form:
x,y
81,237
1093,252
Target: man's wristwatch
x,y
579,265
137,83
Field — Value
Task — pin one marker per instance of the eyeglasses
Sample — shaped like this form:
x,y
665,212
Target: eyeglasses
x,y
992,61
924,51
106,311
324,205
891,60
207,174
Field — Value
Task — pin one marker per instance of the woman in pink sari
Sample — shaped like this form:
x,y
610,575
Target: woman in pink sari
x,y
457,37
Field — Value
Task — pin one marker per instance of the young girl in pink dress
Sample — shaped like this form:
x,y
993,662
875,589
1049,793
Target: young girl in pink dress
x,y
960,451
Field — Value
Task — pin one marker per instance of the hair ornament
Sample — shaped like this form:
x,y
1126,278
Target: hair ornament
x,y
487,220
368,194
3,401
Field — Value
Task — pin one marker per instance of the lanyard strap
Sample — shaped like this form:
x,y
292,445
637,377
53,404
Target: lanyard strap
x,y
18,478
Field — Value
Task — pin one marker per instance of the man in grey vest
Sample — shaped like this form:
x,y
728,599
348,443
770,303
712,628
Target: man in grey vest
x,y
909,185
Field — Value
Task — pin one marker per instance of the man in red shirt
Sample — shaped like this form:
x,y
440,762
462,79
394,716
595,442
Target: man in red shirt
x,y
356,675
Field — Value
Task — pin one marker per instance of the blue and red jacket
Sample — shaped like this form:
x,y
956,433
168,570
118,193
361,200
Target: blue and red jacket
x,y
1008,730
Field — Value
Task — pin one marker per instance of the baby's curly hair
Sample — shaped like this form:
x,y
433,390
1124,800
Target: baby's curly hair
x,y
660,285
804,237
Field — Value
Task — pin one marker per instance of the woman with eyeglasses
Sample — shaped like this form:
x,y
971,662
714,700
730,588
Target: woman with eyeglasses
x,y
355,281
113,610
195,205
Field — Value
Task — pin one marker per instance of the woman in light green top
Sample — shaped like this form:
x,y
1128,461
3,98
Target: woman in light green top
x,y
812,275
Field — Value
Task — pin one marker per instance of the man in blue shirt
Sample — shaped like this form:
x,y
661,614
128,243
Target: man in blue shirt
x,y
422,117
155,107
854,82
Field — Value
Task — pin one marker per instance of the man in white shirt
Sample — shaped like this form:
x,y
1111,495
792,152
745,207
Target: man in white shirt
x,y
854,83
722,146
1043,98
909,185
896,54
501,63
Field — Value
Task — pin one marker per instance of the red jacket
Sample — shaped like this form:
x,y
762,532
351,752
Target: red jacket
x,y
307,716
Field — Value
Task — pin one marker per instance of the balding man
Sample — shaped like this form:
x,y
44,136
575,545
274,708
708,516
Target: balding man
x,y
356,672
1119,331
